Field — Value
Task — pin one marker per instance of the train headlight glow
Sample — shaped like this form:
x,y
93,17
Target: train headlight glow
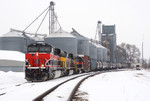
x,y
42,65
37,54
29,65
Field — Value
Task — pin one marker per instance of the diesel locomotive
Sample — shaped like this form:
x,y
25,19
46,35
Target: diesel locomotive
x,y
43,62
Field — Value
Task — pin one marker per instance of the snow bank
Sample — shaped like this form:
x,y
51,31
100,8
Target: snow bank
x,y
11,55
11,78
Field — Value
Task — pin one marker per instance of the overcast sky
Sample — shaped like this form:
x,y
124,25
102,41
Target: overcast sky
x,y
131,17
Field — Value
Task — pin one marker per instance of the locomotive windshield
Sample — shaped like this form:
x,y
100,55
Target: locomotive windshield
x,y
32,49
44,48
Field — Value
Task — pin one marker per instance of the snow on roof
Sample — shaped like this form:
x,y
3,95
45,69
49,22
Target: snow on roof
x,y
102,46
91,43
37,38
60,33
12,34
98,45
79,36
12,55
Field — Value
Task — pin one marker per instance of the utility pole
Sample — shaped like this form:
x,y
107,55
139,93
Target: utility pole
x,y
142,54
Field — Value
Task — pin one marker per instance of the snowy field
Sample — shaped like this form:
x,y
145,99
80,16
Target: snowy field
x,y
132,85
129,85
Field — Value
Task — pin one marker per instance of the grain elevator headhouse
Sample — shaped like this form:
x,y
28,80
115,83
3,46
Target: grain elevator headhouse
x,y
109,35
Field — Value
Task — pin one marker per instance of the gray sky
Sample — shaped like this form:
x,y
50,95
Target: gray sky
x,y
131,17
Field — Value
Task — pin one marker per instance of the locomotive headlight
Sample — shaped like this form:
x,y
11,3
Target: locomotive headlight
x,y
37,54
42,65
29,65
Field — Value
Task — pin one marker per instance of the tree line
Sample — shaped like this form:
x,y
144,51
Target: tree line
x,y
130,54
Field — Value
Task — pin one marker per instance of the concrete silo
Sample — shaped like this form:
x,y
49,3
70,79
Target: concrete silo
x,y
12,41
63,40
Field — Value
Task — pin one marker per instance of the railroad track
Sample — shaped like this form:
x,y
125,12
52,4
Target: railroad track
x,y
46,96
71,96
74,91
79,80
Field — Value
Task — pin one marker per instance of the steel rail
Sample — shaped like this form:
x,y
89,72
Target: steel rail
x,y
78,84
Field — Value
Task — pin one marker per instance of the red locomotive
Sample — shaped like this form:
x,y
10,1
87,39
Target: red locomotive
x,y
44,62
41,61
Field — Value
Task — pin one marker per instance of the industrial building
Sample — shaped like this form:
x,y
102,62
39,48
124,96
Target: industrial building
x,y
109,35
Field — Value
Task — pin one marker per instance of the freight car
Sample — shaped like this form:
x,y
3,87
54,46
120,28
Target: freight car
x,y
83,62
44,62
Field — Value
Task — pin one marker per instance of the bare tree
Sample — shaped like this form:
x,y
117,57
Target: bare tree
x,y
120,54
148,63
145,64
131,53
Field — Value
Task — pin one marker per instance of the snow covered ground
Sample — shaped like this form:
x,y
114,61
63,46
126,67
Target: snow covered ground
x,y
13,86
117,86
129,85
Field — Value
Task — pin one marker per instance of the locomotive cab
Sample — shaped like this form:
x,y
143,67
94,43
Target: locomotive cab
x,y
36,58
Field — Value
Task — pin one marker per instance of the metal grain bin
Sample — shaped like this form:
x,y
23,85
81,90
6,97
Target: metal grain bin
x,y
99,52
63,40
105,54
93,55
28,39
82,43
12,41
92,50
